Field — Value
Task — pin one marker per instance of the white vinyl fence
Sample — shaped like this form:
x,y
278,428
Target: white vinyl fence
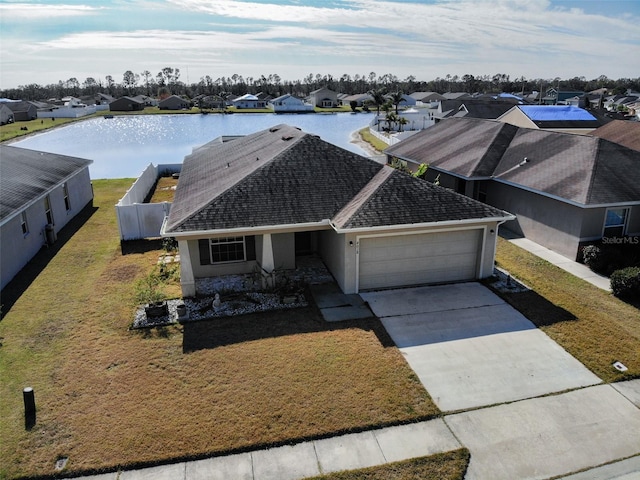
x,y
138,220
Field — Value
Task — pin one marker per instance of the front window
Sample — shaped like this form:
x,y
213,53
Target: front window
x,y
615,223
227,249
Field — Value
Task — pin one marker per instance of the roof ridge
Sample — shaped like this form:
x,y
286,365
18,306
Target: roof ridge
x,y
594,169
357,203
505,128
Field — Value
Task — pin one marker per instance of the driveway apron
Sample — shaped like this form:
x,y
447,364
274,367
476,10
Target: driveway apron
x,y
470,349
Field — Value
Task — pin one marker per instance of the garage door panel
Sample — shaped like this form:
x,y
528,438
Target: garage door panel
x,y
395,261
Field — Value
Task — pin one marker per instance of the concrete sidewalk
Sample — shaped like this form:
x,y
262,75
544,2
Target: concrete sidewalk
x,y
346,452
571,266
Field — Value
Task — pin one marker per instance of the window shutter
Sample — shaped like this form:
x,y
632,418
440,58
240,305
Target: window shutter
x,y
205,254
250,246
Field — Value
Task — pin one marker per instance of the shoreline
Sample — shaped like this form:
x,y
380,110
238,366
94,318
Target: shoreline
x,y
356,139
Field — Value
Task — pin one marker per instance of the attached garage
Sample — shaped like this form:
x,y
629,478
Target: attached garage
x,y
388,261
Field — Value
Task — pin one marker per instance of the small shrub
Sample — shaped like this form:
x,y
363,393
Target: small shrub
x,y
625,283
149,289
594,258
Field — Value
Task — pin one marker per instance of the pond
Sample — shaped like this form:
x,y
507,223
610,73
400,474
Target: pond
x,y
123,146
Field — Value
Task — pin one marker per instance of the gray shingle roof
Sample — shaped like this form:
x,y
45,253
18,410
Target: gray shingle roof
x,y
283,176
464,146
26,175
579,168
624,132
279,176
396,198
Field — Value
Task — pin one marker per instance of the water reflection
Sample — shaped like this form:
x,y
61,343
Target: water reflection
x,y
124,145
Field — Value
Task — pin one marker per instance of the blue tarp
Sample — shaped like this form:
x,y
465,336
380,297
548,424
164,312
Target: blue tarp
x,y
546,113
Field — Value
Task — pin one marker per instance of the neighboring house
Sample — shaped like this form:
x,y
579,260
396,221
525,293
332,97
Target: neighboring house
x,y
249,101
147,101
6,115
210,102
39,194
564,189
455,95
289,104
126,104
361,99
23,111
323,98
103,99
407,100
427,97
253,204
554,96
624,132
556,118
174,102
473,108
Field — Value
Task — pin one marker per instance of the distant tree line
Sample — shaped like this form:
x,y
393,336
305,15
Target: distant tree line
x,y
167,81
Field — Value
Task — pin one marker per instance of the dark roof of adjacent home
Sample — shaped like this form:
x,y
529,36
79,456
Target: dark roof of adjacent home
x,y
284,176
26,175
623,132
431,95
466,147
394,198
581,169
489,109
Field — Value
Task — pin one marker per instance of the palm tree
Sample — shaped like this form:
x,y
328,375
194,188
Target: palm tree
x,y
377,98
402,122
396,99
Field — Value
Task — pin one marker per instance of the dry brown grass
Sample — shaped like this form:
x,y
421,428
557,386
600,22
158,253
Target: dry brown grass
x,y
442,466
592,325
110,397
165,190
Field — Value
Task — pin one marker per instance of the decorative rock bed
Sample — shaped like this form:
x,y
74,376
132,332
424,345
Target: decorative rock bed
x,y
231,305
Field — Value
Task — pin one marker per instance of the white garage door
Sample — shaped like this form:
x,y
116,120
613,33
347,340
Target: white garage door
x,y
400,260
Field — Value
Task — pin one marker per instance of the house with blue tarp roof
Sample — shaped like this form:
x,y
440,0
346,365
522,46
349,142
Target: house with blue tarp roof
x,y
557,118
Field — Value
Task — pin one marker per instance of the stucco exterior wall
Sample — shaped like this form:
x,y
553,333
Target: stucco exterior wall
x,y
332,251
284,250
517,118
551,223
18,248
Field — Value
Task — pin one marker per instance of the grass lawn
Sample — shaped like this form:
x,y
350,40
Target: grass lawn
x,y
443,466
591,324
375,142
109,397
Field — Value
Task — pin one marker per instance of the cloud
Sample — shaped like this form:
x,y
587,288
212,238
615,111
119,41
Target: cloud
x,y
38,11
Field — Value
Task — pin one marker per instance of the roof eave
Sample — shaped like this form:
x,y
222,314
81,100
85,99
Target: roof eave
x,y
260,230
447,223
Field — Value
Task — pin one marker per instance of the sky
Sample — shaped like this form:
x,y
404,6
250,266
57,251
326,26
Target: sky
x,y
44,42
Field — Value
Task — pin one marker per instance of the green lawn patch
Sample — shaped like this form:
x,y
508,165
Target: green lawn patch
x,y
376,143
442,466
591,324
108,397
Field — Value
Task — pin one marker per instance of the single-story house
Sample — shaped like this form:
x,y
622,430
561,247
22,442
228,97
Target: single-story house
x,y
126,104
455,95
23,111
427,97
624,132
361,99
564,189
323,98
556,118
553,96
103,99
249,101
174,102
476,108
289,104
407,100
147,101
255,203
39,194
6,114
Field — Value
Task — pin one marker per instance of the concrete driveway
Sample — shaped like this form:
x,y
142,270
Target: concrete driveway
x,y
471,349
